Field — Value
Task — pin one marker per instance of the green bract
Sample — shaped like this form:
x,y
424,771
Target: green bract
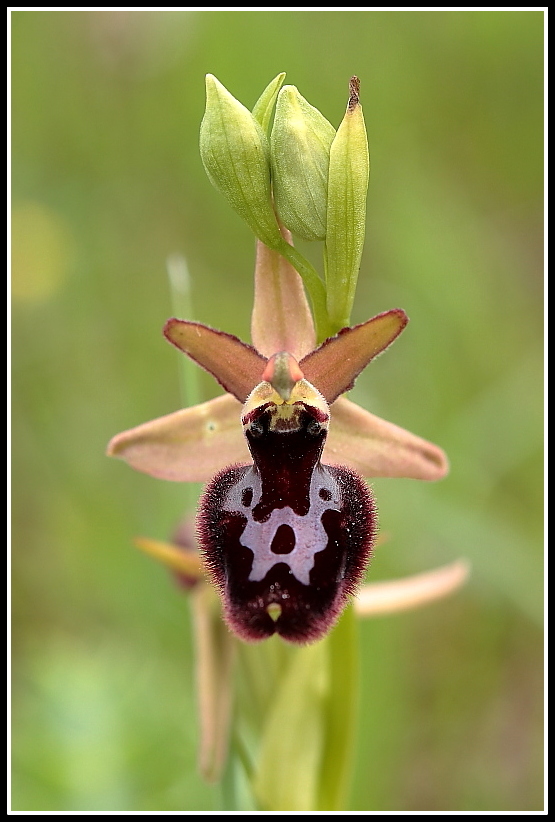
x,y
300,152
235,153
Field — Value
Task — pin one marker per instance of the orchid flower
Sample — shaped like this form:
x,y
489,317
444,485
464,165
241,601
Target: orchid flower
x,y
288,530
287,524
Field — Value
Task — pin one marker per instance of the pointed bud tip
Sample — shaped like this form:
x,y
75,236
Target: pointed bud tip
x,y
212,85
354,93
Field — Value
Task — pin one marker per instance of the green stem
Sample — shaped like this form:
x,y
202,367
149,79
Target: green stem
x,y
182,307
315,288
236,793
189,385
341,714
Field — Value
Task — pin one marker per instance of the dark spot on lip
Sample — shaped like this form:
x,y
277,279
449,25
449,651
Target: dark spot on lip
x,y
324,494
246,497
284,540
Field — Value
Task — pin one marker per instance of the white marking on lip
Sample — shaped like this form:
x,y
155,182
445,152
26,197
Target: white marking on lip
x,y
310,534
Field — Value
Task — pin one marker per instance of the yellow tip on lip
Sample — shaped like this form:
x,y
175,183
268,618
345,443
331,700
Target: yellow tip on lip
x,y
274,610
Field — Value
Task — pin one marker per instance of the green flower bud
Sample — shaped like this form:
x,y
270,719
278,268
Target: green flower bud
x,y
264,106
235,154
300,149
349,172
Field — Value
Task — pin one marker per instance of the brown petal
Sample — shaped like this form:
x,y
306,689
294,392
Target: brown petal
x,y
187,446
335,365
281,319
411,592
377,448
236,365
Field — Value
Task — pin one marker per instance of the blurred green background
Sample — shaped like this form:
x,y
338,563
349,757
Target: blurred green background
x,y
107,182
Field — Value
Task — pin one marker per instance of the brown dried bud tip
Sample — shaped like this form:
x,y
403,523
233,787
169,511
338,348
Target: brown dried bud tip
x,y
354,93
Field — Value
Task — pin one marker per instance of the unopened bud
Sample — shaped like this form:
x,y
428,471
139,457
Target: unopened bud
x,y
235,154
300,151
264,106
349,172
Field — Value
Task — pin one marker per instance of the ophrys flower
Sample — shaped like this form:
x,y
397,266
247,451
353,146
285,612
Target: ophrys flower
x,y
286,523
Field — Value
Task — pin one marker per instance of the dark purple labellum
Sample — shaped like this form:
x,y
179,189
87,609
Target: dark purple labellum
x,y
286,540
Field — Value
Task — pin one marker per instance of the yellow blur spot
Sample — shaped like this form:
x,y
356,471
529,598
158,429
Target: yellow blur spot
x,y
42,252
274,610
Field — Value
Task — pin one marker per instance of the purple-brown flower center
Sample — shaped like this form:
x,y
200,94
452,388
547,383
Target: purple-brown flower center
x,y
286,539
